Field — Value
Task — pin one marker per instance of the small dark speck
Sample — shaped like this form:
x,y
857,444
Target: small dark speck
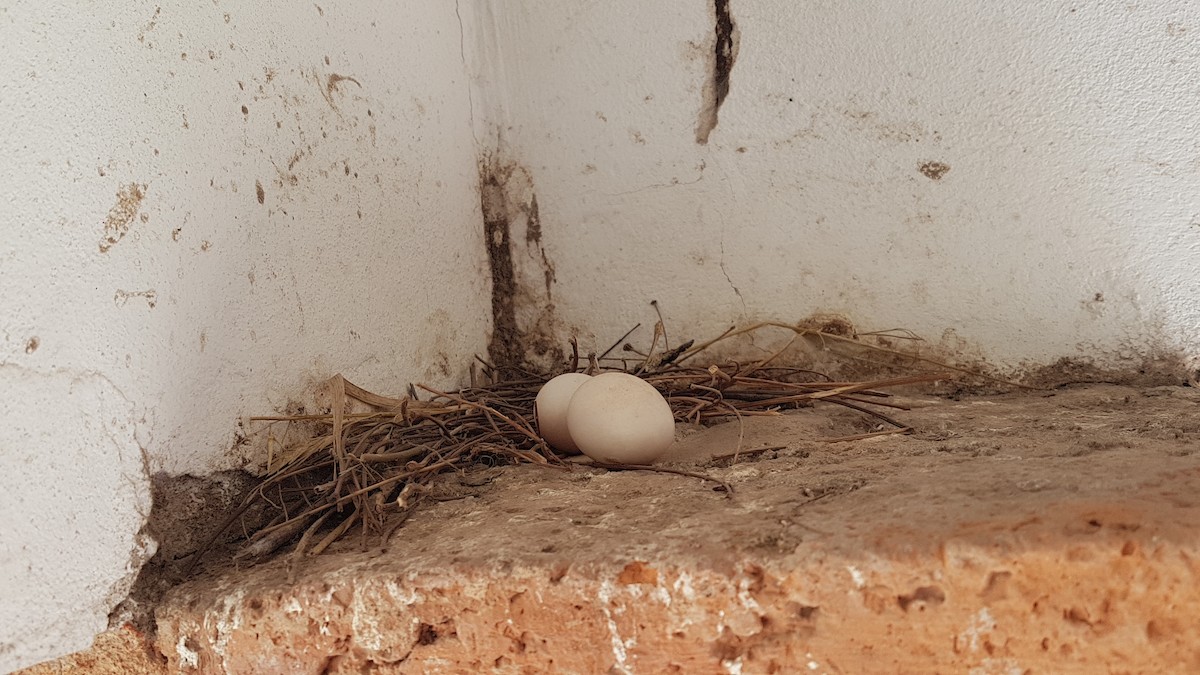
x,y
32,345
326,60
258,190
742,149
347,167
1099,297
245,110
791,100
934,170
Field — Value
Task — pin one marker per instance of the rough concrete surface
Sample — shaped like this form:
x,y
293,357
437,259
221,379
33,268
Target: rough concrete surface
x,y
1033,533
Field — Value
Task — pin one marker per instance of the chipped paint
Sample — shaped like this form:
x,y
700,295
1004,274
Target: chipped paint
x,y
857,576
225,621
747,601
683,586
619,647
188,658
661,595
407,596
367,632
981,625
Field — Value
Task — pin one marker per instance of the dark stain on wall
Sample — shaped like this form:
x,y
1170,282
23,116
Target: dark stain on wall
x,y
533,238
533,231
523,318
725,48
934,170
504,348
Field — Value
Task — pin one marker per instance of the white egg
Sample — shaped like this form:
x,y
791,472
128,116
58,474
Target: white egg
x,y
551,409
616,417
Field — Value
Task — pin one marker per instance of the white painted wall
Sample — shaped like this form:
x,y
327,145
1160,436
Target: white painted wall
x,y
1072,132
141,353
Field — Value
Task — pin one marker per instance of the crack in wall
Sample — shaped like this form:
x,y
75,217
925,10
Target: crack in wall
x,y
462,51
725,48
736,290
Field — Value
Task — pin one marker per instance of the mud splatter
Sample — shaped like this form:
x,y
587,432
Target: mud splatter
x,y
122,214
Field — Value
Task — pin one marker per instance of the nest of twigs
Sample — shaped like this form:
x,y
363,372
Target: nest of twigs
x,y
366,463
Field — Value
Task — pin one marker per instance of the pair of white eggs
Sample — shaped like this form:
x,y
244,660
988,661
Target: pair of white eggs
x,y
610,417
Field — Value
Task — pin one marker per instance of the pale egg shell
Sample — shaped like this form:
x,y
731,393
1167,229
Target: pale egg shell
x,y
616,417
551,409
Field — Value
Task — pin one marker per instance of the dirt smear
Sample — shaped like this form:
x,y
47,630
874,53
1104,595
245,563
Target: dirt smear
x,y
524,325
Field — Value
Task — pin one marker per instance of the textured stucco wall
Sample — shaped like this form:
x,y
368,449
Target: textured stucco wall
x,y
1067,223
205,206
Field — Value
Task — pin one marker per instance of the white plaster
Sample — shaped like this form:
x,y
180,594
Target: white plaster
x,y
1070,133
222,623
73,496
683,586
857,576
981,625
211,306
406,596
188,658
747,601
619,647
364,623
662,595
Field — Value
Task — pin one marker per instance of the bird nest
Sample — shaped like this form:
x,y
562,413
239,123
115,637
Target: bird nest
x,y
364,466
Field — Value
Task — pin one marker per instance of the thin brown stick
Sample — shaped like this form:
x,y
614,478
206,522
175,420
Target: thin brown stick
x,y
873,434
745,453
617,466
336,533
618,343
